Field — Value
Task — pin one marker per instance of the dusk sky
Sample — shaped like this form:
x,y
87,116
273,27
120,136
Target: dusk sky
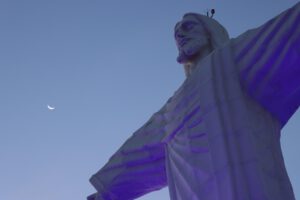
x,y
106,66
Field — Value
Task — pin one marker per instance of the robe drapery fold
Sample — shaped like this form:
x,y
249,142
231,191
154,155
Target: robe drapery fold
x,y
218,137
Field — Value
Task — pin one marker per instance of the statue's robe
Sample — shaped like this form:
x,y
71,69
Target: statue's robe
x,y
218,136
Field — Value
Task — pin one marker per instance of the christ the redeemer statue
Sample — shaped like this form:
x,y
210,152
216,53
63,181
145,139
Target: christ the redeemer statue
x,y
218,136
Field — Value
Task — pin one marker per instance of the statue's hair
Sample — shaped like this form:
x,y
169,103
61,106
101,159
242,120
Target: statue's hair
x,y
217,33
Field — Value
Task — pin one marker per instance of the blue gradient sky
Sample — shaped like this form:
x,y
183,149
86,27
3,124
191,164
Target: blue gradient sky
x,y
106,66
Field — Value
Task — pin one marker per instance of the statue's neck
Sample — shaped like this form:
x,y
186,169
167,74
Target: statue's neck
x,y
190,66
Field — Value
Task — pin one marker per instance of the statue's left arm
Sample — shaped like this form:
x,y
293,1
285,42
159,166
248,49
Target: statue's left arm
x,y
268,59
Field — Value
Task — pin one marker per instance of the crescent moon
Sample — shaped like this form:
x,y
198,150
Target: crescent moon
x,y
50,107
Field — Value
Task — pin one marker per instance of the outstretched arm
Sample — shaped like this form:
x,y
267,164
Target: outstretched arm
x,y
268,59
138,167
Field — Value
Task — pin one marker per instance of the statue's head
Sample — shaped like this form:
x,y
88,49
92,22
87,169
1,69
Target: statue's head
x,y
197,33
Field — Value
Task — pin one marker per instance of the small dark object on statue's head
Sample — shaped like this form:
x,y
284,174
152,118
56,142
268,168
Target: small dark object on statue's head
x,y
212,11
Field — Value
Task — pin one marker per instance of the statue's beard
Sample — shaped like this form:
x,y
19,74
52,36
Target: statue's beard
x,y
190,51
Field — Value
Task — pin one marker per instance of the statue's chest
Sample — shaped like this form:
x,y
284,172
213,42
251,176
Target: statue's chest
x,y
213,89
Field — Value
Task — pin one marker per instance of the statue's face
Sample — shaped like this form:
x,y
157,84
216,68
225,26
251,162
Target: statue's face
x,y
190,37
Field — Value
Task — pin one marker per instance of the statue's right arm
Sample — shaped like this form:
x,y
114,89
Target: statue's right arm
x,y
138,167
268,60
